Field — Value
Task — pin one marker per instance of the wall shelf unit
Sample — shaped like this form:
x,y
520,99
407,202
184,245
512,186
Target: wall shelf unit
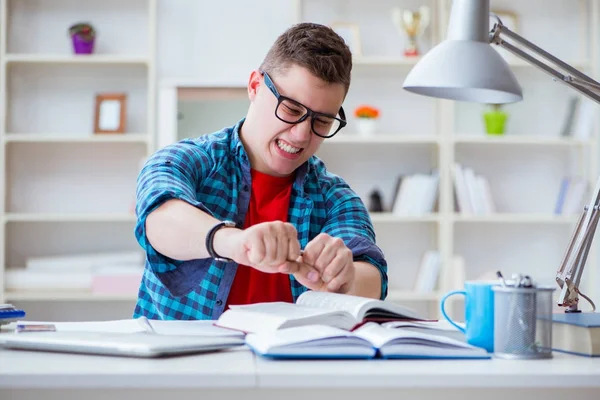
x,y
67,190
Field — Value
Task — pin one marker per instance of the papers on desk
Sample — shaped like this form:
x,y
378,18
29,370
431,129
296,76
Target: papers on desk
x,y
138,325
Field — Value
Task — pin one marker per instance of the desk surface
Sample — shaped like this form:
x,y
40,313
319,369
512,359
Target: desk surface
x,y
239,368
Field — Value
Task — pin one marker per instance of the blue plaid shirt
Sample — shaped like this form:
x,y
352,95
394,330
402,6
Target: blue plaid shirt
x,y
212,173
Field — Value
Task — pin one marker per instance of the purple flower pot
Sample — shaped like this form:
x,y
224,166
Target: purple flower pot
x,y
81,46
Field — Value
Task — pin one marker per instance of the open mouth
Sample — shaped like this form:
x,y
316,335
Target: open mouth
x,y
287,147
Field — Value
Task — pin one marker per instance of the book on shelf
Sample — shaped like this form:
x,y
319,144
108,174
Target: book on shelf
x,y
313,308
576,333
370,340
473,192
428,274
571,195
415,194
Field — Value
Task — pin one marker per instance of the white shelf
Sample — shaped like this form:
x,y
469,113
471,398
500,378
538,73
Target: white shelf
x,y
519,140
384,61
383,138
516,218
64,296
579,64
387,217
16,58
22,217
70,138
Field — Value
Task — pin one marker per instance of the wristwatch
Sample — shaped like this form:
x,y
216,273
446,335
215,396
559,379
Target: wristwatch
x,y
210,237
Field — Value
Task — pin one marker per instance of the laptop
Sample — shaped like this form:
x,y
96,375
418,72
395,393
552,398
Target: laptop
x,y
145,345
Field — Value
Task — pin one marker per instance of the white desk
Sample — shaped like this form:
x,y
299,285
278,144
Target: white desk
x,y
238,374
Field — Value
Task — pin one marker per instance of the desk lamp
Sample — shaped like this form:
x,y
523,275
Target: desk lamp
x,y
464,67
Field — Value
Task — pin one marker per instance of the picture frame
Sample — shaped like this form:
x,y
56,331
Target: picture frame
x,y
110,113
350,32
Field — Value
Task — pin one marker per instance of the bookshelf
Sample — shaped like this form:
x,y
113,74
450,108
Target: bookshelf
x,y
67,190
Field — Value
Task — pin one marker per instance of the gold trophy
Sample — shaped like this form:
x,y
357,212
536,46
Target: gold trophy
x,y
413,24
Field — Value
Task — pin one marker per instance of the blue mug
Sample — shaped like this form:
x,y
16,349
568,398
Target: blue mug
x,y
479,313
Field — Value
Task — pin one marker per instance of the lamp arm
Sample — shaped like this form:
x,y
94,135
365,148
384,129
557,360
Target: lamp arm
x,y
573,77
568,275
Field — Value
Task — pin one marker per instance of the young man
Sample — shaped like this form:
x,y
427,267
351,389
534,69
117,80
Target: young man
x,y
249,214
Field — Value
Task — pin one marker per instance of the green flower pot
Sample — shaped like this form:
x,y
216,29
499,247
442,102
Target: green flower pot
x,y
495,121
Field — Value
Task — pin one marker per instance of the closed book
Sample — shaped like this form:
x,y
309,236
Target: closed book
x,y
312,308
576,333
370,340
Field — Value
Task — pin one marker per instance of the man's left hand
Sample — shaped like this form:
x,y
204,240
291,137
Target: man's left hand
x,y
331,257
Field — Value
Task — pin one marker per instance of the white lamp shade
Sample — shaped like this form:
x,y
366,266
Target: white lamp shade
x,y
464,70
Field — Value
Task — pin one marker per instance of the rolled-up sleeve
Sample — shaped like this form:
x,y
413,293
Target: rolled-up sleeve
x,y
173,172
348,219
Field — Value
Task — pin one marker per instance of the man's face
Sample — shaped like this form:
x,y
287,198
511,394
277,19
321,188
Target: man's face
x,y
278,148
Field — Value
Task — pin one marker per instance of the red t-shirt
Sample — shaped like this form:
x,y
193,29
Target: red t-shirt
x,y
269,201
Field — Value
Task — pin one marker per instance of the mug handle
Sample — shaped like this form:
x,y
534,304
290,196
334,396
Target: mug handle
x,y
443,307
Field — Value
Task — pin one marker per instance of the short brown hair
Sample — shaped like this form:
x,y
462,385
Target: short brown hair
x,y
318,48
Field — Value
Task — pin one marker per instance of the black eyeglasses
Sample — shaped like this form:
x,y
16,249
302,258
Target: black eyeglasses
x,y
292,112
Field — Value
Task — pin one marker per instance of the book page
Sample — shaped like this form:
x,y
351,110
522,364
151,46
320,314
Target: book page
x,y
191,328
441,325
334,301
308,335
282,309
358,307
380,336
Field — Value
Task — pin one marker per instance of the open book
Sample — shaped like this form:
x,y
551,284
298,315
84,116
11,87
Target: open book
x,y
370,340
337,310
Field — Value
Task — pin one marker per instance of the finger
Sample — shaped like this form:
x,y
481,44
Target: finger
x,y
282,245
328,254
292,242
343,281
314,248
334,268
255,250
337,286
270,241
305,274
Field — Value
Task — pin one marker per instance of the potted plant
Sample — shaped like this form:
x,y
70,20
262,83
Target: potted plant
x,y
83,36
366,118
495,120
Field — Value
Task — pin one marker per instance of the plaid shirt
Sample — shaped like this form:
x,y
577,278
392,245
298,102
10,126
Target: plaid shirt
x,y
212,173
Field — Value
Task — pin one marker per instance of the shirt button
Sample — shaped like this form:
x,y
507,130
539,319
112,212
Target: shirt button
x,y
219,302
245,188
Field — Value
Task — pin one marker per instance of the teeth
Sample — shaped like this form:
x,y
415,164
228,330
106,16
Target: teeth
x,y
287,148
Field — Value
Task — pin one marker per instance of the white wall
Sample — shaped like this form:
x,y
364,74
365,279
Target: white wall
x,y
217,42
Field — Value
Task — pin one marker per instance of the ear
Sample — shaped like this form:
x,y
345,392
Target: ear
x,y
253,84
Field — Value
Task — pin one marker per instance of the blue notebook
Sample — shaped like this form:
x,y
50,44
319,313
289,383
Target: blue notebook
x,y
585,319
9,313
576,333
368,341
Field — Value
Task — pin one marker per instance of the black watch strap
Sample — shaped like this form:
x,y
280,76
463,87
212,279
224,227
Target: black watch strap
x,y
210,237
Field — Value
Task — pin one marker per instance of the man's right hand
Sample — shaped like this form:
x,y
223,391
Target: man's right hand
x,y
271,247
